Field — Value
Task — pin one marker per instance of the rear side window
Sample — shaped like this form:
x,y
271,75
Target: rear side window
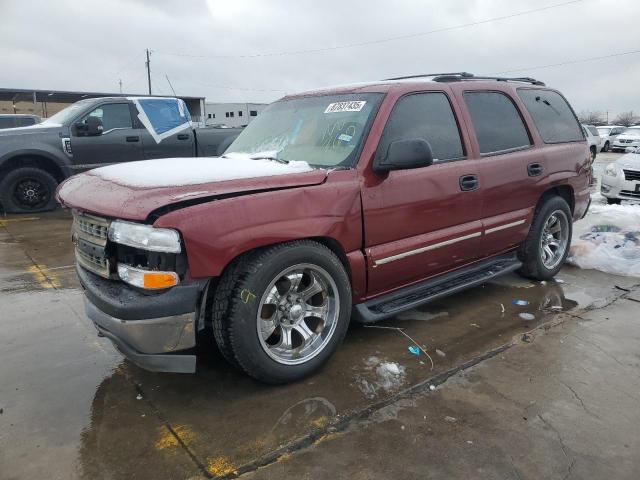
x,y
593,130
498,125
6,122
426,116
552,115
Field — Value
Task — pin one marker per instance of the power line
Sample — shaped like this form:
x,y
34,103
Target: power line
x,y
382,40
570,62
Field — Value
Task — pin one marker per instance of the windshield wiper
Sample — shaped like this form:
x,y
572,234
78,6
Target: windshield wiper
x,y
270,157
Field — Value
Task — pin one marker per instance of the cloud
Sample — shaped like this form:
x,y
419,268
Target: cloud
x,y
68,45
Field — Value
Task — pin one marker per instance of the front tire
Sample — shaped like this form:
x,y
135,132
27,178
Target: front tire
x,y
546,247
614,201
28,190
281,312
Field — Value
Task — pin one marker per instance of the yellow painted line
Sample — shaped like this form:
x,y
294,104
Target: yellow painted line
x,y
220,466
6,221
45,278
168,440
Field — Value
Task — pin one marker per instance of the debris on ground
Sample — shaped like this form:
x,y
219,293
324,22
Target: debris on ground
x,y
502,307
414,350
608,239
421,347
379,375
474,325
521,303
527,316
432,388
440,353
450,419
138,397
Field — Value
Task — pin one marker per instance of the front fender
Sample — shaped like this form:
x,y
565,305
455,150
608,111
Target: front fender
x,y
216,232
59,158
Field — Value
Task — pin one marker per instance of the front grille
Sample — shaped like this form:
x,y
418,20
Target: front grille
x,y
631,174
630,193
90,235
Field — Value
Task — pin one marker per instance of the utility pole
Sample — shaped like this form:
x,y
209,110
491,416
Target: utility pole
x,y
120,83
148,63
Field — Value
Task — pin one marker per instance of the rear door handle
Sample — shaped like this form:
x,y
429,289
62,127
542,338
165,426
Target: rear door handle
x,y
468,182
133,139
183,136
534,169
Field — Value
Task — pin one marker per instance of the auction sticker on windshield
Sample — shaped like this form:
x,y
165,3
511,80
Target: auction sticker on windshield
x,y
354,106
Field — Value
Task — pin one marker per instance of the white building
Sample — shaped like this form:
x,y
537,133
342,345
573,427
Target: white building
x,y
232,114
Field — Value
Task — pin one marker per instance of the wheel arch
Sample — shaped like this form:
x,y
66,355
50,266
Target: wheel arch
x,y
564,191
37,160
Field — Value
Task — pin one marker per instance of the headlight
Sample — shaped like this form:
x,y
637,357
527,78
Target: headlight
x,y
148,279
611,170
145,237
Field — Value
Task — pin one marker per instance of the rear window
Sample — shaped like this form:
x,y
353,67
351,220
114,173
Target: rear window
x,y
6,122
26,121
552,115
498,125
593,130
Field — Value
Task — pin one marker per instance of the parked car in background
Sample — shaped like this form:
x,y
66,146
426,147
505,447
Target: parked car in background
x,y
621,179
608,134
593,140
92,133
13,120
363,201
630,137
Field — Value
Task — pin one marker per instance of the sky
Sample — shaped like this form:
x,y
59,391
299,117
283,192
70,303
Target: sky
x,y
241,50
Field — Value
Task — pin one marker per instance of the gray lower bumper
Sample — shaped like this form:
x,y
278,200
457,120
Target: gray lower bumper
x,y
153,344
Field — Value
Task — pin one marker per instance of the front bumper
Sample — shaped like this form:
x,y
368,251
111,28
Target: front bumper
x,y
618,146
155,332
620,188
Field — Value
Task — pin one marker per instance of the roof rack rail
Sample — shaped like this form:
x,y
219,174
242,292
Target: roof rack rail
x,y
461,76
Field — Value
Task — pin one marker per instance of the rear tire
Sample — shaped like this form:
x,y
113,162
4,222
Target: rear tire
x,y
593,151
261,318
541,260
606,147
28,190
614,201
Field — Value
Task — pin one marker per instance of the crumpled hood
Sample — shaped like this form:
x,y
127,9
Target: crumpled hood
x,y
135,189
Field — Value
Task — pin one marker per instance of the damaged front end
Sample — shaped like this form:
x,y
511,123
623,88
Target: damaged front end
x,y
137,291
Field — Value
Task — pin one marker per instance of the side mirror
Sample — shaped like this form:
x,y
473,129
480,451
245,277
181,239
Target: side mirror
x,y
91,127
404,155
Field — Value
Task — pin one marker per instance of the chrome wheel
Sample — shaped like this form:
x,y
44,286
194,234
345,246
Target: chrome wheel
x,y
554,239
298,314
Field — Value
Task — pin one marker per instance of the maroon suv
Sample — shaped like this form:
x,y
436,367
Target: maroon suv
x,y
358,202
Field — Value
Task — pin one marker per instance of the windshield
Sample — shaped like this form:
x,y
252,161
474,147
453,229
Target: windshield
x,y
603,131
632,131
324,131
66,114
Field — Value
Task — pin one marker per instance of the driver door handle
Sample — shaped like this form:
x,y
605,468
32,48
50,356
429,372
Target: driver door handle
x,y
468,183
183,136
134,138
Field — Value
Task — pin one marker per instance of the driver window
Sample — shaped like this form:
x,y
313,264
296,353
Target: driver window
x,y
426,116
112,115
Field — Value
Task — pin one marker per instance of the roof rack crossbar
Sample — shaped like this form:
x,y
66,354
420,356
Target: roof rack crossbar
x,y
460,76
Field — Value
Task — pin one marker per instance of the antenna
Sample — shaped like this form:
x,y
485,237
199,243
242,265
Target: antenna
x,y
169,82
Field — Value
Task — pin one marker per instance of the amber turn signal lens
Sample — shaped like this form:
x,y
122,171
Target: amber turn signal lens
x,y
157,280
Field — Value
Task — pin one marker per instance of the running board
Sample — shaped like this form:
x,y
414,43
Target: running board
x,y
413,296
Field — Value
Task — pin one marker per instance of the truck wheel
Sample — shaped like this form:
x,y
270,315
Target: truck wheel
x,y
614,201
593,154
606,147
28,190
546,247
281,312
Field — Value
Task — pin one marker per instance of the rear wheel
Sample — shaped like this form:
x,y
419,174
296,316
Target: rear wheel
x,y
282,311
606,147
28,190
593,154
614,201
546,247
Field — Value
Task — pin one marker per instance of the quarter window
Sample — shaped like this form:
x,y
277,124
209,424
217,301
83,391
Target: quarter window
x,y
426,116
552,115
497,123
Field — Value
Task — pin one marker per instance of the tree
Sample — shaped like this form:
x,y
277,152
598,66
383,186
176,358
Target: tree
x,y
626,119
591,117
